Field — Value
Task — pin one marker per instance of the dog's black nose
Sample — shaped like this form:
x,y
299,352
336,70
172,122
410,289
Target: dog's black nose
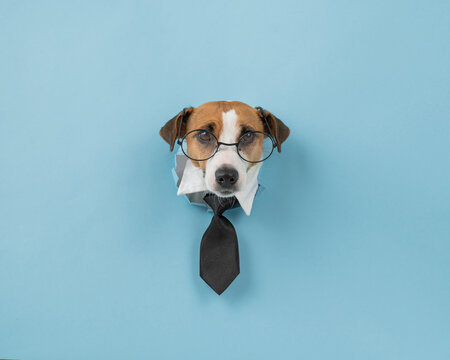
x,y
226,177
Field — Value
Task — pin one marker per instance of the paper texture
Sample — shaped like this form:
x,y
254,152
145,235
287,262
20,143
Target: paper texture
x,y
191,183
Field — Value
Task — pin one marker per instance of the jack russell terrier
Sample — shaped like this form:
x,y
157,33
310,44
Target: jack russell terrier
x,y
226,142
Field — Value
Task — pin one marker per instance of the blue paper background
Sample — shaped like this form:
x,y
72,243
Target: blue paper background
x,y
346,254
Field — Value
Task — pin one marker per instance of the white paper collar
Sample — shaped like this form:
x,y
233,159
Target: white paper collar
x,y
192,181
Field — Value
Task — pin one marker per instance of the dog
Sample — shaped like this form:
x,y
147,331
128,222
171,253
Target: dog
x,y
225,141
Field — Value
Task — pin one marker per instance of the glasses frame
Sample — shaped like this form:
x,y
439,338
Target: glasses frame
x,y
219,143
259,108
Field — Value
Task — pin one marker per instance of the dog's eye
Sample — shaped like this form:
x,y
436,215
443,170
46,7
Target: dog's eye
x,y
205,136
247,138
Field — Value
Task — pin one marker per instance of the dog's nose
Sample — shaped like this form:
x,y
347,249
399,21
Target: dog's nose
x,y
226,177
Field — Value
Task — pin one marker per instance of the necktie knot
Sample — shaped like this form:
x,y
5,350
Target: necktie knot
x,y
219,204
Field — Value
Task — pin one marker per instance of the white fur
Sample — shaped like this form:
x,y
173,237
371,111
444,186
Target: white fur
x,y
228,156
230,131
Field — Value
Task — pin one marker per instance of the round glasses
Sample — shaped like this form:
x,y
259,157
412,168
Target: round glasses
x,y
252,146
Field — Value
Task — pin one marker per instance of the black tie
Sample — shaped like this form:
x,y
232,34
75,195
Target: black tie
x,y
219,252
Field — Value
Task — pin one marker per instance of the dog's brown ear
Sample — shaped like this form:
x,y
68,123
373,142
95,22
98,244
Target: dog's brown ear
x,y
277,127
169,132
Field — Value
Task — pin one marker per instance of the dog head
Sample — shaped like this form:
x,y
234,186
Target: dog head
x,y
225,170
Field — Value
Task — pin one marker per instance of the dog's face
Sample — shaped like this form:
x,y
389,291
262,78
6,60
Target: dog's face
x,y
226,172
